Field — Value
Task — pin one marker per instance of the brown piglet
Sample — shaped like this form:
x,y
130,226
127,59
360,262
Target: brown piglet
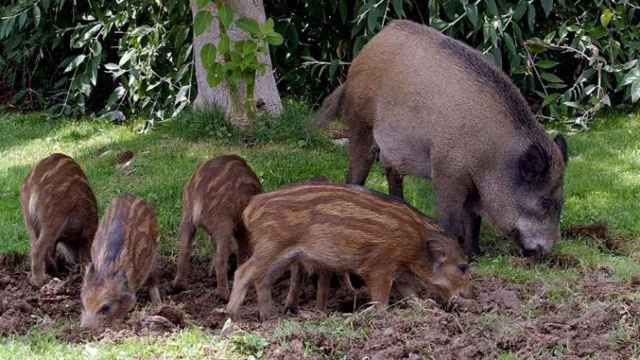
x,y
60,213
124,256
345,228
213,199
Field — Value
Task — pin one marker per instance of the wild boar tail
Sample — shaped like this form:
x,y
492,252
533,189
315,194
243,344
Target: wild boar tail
x,y
330,109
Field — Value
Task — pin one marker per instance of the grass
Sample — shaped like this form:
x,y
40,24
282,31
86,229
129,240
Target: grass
x,y
602,185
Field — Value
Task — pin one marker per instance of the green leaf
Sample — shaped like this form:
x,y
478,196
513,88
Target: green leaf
x,y
546,64
547,6
635,91
398,7
520,10
248,25
511,49
215,76
531,17
536,45
267,26
224,45
551,78
225,15
472,15
201,22
605,18
115,96
208,54
202,3
492,8
77,61
344,10
275,39
631,77
37,15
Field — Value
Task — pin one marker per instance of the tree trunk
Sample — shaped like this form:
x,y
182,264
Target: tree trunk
x,y
266,92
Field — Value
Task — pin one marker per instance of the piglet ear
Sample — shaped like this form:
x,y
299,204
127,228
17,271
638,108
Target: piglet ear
x,y
561,142
436,253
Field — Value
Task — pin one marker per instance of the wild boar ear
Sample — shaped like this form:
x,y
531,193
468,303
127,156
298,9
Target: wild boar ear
x,y
436,253
534,164
561,142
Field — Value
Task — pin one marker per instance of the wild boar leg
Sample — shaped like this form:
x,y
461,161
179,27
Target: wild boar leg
x,y
265,279
187,233
42,253
379,284
361,156
394,180
295,281
456,217
154,282
223,242
241,281
406,284
322,294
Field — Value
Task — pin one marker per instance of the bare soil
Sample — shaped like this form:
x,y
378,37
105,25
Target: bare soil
x,y
596,316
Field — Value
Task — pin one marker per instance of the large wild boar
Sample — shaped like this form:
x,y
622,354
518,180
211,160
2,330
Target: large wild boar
x,y
344,228
123,259
436,108
213,199
59,212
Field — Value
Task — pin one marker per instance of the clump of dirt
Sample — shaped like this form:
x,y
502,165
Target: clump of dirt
x,y
598,231
124,157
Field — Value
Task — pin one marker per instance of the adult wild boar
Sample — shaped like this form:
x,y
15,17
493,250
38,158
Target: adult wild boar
x,y
123,259
436,108
60,213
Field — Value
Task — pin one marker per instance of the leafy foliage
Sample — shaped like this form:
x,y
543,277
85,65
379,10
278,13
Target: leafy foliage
x,y
569,58
113,58
239,60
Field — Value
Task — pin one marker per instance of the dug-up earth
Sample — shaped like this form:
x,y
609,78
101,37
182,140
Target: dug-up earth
x,y
597,317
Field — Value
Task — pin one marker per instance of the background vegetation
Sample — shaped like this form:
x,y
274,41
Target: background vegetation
x,y
115,58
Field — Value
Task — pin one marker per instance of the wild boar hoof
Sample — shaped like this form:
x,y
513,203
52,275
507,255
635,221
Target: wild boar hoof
x,y
223,293
177,287
38,281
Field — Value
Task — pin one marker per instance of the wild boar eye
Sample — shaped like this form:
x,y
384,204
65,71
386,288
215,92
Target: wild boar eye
x,y
464,268
104,309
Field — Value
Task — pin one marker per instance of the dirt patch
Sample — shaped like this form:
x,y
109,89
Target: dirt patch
x,y
600,232
598,318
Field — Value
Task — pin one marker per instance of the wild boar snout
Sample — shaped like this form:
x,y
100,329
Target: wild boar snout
x,y
536,238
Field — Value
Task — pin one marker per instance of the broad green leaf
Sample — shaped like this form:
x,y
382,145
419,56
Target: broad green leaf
x,y
225,15
546,64
472,15
115,96
547,6
536,45
551,78
520,10
37,15
249,25
492,8
201,22
631,77
224,45
635,91
605,18
215,75
208,54
511,49
344,10
275,39
126,57
398,7
531,17
267,26
77,61
202,3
